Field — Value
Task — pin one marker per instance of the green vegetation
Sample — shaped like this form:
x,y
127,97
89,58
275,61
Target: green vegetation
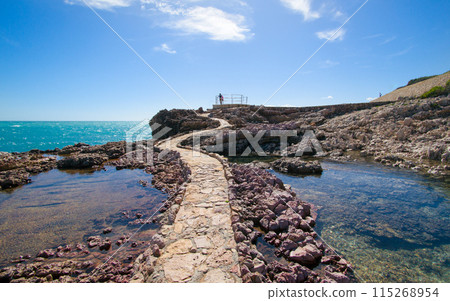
x,y
437,91
420,79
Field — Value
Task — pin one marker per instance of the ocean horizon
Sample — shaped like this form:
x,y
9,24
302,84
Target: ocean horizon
x,y
22,136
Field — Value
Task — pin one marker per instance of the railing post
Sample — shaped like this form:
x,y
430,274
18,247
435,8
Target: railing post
x,y
232,99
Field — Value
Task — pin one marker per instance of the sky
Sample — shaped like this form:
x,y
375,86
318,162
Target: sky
x,y
128,59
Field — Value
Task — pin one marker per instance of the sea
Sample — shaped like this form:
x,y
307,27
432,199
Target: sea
x,y
21,136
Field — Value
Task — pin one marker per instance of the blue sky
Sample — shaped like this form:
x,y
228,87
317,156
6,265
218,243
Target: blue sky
x,y
59,61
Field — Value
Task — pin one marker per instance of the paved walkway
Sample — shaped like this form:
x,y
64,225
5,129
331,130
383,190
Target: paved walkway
x,y
200,245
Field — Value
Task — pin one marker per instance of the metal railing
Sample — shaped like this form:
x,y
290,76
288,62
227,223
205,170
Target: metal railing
x,y
232,99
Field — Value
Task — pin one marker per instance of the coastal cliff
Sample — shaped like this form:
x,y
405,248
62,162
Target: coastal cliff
x,y
411,134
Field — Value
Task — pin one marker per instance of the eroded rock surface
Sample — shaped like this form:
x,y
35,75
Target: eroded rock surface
x,y
179,121
297,166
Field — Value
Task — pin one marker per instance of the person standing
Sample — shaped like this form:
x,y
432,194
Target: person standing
x,y
221,98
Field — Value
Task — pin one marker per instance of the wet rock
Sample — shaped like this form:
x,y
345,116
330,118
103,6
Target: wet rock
x,y
254,236
310,221
107,230
16,168
104,245
329,259
14,178
270,236
80,161
305,226
143,183
46,253
297,166
94,241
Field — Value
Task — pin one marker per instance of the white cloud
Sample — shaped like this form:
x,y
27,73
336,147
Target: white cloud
x,y
328,97
374,36
303,7
215,23
371,98
102,4
387,41
330,34
328,64
165,48
400,53
338,14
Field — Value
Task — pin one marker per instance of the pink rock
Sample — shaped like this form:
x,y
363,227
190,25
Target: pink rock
x,y
307,255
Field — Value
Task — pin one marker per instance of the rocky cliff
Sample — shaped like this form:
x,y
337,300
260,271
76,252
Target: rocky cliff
x,y
179,121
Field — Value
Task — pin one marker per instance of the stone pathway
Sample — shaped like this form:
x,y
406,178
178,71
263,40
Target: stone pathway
x,y
200,245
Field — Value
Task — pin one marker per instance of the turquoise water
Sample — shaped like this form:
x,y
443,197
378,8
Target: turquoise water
x,y
21,136
392,225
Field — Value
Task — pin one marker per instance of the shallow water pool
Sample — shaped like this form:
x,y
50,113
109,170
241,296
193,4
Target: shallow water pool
x,y
392,225
65,207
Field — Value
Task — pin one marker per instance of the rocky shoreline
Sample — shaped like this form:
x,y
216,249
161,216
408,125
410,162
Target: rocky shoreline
x,y
272,227
408,134
263,207
17,168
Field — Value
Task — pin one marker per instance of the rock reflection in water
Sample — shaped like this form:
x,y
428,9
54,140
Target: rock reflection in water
x,y
391,225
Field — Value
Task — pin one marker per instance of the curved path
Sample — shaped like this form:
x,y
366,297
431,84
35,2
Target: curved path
x,y
200,245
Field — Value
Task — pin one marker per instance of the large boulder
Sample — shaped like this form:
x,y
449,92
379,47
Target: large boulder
x,y
297,166
308,255
179,121
81,161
